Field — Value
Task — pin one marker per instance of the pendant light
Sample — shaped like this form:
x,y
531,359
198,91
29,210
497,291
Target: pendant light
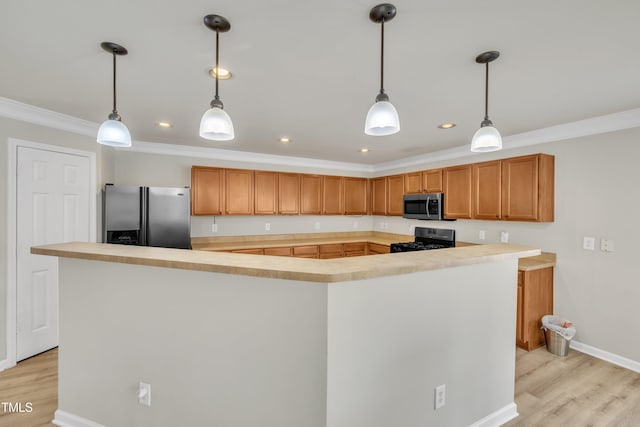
x,y
382,118
216,124
487,138
113,132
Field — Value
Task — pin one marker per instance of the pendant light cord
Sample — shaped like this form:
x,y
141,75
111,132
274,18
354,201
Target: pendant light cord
x,y
382,57
486,93
114,83
217,59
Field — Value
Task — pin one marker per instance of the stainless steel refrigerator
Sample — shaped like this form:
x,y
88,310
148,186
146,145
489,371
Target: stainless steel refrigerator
x,y
147,216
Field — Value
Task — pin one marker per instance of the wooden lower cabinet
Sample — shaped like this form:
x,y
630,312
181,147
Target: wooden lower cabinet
x,y
355,249
258,251
376,249
331,251
535,299
279,251
310,251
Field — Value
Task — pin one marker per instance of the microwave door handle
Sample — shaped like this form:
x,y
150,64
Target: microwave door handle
x,y
427,206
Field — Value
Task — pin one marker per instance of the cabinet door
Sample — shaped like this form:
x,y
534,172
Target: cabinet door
x,y
487,190
519,312
257,251
527,188
288,193
457,192
375,249
207,190
332,195
355,249
379,196
330,251
395,193
266,193
413,183
280,251
355,196
239,192
432,181
310,194
305,251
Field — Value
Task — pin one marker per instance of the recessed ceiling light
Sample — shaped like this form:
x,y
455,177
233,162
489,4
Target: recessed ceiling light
x,y
364,150
447,125
165,125
223,75
285,140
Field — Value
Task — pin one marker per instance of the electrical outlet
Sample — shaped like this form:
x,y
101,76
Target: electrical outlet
x,y
481,235
144,394
317,225
504,236
606,245
440,396
267,226
589,243
214,228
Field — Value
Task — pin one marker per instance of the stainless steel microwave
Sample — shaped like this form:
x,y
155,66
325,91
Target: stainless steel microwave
x,y
423,206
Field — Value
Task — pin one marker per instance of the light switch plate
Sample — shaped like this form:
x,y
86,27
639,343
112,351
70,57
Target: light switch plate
x,y
504,236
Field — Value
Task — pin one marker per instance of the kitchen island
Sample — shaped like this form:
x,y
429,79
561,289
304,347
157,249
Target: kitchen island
x,y
254,340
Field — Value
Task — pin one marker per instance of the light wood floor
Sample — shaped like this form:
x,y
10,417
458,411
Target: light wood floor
x,y
34,380
573,391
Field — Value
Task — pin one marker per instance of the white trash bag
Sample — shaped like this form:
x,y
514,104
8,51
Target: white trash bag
x,y
558,324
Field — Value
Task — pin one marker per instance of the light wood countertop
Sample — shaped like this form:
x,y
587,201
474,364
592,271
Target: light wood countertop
x,y
314,270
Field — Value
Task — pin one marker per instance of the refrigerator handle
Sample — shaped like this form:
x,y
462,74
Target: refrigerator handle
x,y
144,215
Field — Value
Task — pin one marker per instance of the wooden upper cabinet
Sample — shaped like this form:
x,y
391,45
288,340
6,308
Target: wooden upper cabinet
x,y
432,181
207,191
266,193
413,183
310,194
487,190
332,195
288,193
379,196
238,192
395,193
355,196
457,192
528,188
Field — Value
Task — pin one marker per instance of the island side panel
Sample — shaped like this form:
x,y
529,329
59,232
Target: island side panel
x,y
392,340
217,349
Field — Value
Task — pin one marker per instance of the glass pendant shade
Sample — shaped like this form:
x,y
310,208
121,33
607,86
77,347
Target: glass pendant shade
x,y
216,125
114,133
486,139
382,119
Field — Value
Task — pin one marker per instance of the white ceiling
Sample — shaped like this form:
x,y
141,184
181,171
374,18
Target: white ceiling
x,y
309,69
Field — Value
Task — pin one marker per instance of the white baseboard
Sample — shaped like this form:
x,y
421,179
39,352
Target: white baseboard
x,y
5,364
65,419
606,356
499,417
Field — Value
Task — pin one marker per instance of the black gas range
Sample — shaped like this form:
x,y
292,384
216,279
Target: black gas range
x,y
427,238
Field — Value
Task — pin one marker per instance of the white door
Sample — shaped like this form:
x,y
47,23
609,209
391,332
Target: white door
x,y
52,195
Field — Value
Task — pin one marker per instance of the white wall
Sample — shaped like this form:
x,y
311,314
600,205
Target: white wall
x,y
10,128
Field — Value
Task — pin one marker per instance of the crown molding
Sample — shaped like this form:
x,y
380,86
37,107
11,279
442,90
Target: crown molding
x,y
592,126
39,116
244,156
